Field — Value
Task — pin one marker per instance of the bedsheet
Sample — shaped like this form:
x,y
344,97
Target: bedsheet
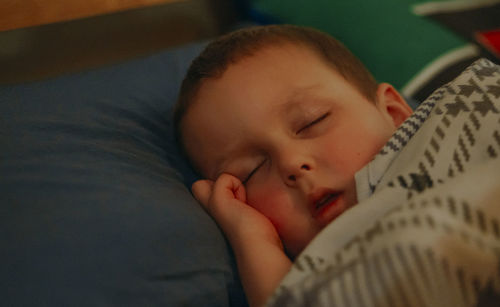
x,y
426,230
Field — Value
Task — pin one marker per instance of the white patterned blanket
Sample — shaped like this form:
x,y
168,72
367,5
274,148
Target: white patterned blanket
x,y
426,231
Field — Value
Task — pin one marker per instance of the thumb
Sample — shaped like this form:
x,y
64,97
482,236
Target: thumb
x,y
202,190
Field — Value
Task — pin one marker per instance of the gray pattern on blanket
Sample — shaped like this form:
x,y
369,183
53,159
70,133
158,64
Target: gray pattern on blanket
x,y
437,240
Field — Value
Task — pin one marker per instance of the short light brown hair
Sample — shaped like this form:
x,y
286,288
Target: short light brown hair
x,y
232,47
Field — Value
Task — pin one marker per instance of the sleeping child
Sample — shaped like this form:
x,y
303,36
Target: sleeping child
x,y
291,133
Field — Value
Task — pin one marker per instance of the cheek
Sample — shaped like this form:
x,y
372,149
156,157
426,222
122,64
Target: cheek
x,y
271,201
351,150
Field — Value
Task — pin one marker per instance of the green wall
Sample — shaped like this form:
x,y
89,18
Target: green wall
x,y
393,43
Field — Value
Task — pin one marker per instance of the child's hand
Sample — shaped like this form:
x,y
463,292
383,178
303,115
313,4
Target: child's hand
x,y
225,201
262,262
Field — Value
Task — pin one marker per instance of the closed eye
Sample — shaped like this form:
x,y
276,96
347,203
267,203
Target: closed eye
x,y
253,172
314,122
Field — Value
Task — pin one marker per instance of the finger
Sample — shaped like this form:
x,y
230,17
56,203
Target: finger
x,y
239,190
202,190
228,186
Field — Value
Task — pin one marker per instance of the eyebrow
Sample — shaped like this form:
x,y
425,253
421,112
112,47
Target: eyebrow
x,y
297,97
223,161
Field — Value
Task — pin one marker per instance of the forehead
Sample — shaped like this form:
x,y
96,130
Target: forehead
x,y
282,74
244,105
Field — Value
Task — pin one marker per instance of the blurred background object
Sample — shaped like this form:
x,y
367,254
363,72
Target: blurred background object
x,y
40,39
416,45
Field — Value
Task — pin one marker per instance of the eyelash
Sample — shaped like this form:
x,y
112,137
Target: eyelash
x,y
317,120
253,172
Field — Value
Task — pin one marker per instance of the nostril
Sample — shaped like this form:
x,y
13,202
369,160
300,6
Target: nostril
x,y
291,178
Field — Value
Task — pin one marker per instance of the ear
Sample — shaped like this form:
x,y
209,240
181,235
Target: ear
x,y
392,104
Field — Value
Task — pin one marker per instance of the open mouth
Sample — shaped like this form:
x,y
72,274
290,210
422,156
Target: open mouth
x,y
327,205
326,200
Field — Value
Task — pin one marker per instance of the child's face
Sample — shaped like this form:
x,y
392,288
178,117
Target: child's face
x,y
294,131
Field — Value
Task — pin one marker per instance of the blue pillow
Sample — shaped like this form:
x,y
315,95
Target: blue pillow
x,y
92,212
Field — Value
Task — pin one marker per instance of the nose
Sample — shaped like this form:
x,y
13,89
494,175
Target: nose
x,y
303,167
295,169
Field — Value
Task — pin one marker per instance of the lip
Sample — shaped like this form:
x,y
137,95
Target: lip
x,y
326,205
